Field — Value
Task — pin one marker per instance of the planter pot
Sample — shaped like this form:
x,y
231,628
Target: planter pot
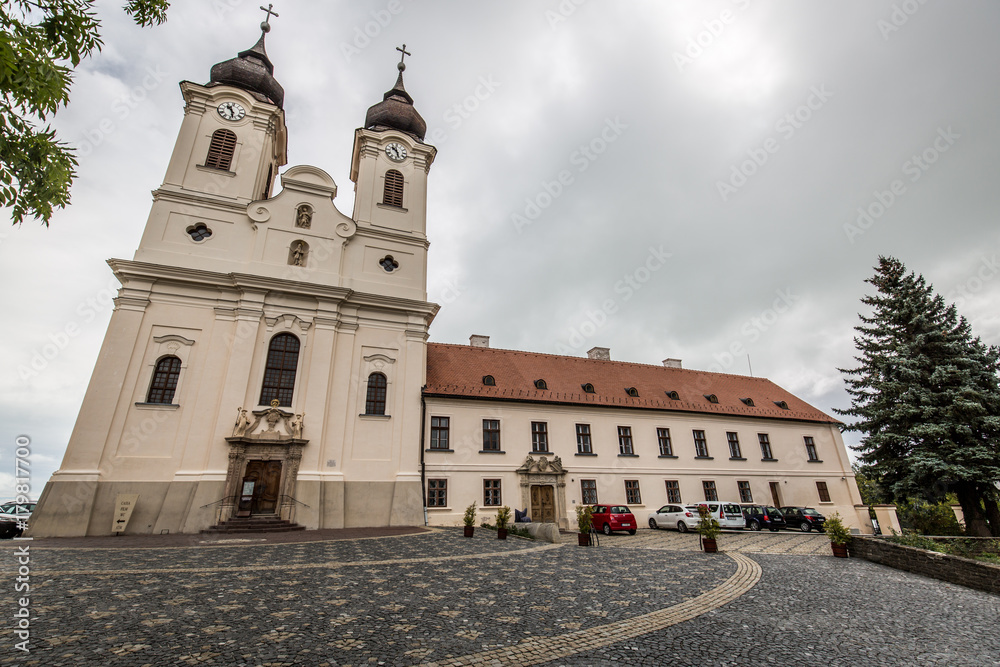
x,y
709,545
839,550
468,530
583,539
501,533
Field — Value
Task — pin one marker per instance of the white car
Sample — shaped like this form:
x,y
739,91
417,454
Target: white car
x,y
729,515
674,516
13,518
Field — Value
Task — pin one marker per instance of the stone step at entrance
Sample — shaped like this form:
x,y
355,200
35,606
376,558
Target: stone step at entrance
x,y
260,523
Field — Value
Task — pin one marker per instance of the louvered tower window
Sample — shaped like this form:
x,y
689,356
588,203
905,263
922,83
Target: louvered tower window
x,y
220,151
393,195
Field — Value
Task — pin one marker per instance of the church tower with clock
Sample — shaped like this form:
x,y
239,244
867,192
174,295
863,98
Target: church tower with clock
x,y
266,354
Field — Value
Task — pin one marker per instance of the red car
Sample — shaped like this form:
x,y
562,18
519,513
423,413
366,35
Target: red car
x,y
608,518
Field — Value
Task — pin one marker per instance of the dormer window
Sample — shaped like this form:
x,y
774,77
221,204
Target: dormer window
x,y
588,388
781,404
633,392
673,396
748,401
712,398
489,381
393,193
221,149
540,384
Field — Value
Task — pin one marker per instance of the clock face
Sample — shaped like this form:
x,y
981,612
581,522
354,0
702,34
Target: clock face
x,y
396,152
231,111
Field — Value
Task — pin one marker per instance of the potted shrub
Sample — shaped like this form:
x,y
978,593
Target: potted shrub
x,y
470,519
503,518
709,529
839,535
583,514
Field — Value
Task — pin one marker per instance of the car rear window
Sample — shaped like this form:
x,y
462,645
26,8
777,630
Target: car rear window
x,y
811,512
620,510
731,508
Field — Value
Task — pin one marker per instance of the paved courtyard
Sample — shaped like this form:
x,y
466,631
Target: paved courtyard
x,y
436,598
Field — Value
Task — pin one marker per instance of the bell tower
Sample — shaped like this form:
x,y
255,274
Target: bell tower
x,y
227,154
390,163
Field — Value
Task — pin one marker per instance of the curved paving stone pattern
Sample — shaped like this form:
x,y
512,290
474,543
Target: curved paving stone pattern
x,y
824,611
402,600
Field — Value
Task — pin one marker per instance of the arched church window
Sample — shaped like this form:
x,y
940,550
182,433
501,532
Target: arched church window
x,y
279,371
165,376
375,401
220,151
393,195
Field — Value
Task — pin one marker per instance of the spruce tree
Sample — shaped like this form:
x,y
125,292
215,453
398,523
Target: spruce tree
x,y
926,397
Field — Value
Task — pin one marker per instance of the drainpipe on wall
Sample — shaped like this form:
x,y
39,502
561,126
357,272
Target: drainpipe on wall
x,y
423,471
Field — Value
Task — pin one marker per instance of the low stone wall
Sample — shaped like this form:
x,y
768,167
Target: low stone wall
x,y
962,571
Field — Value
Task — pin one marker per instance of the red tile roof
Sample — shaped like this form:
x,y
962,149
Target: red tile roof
x,y
458,371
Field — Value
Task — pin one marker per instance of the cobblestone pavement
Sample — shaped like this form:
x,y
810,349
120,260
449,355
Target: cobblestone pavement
x,y
781,542
438,598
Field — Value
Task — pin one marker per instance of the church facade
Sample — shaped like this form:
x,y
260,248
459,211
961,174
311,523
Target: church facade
x,y
269,355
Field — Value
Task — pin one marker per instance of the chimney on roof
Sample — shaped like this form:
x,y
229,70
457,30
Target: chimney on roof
x,y
672,363
479,341
603,353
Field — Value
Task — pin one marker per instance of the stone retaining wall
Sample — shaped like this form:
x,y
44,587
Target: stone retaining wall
x,y
962,571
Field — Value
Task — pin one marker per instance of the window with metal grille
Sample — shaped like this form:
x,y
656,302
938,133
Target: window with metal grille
x,y
583,445
588,388
439,432
491,435
375,401
710,492
663,437
625,440
765,446
824,493
811,449
539,436
540,384
712,398
221,149
393,194
734,445
745,495
673,491
673,396
633,392
279,372
489,381
491,492
632,496
700,445
588,491
437,493
165,375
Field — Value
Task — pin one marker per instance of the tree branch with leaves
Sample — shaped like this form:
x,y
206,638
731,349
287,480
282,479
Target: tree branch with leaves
x,y
42,42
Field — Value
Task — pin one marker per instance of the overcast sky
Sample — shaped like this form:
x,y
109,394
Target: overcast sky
x,y
700,180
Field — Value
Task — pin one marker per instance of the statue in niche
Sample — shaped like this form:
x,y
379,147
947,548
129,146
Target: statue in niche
x,y
242,422
304,216
298,254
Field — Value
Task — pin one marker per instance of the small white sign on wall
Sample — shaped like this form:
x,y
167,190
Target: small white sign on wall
x,y
124,504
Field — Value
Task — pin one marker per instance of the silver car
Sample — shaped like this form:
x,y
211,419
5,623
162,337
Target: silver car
x,y
674,516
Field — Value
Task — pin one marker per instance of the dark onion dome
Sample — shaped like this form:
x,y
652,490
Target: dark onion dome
x,y
396,111
252,71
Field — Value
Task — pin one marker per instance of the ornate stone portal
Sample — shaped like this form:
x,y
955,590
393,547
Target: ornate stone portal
x,y
543,485
262,441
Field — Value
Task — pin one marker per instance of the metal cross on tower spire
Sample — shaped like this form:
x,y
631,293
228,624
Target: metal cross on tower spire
x,y
265,26
403,53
